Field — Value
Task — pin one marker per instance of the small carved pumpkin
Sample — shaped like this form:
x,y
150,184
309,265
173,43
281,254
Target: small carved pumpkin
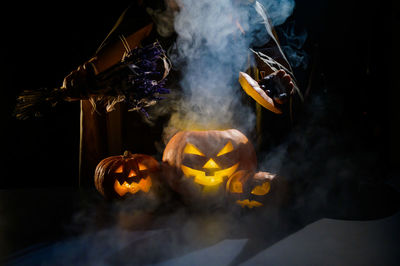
x,y
249,190
119,176
204,160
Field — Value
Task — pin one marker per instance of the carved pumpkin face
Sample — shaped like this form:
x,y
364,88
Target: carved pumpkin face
x,y
119,176
249,190
207,159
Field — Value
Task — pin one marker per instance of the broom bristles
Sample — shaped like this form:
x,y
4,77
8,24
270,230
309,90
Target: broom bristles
x,y
36,102
138,80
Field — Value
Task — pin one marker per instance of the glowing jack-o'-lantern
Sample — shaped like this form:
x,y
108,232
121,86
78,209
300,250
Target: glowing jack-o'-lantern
x,y
249,190
118,176
205,160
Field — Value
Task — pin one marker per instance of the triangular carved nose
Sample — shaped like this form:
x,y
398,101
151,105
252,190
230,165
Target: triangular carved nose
x,y
211,164
132,174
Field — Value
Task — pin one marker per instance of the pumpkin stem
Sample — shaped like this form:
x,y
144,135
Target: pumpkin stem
x,y
127,154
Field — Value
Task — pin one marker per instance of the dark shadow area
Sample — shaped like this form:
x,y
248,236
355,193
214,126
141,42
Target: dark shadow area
x,y
80,227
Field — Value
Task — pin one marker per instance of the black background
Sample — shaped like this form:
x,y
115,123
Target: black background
x,y
42,43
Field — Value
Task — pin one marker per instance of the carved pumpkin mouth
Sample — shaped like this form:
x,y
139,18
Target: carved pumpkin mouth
x,y
143,185
210,172
209,178
249,203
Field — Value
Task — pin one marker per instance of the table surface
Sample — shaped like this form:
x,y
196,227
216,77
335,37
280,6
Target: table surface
x,y
36,229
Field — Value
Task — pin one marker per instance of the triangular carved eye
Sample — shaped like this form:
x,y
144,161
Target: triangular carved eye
x,y
142,167
119,170
227,148
236,187
262,189
191,149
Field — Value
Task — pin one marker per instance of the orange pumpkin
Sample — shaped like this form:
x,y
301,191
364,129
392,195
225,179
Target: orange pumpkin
x,y
117,177
201,162
249,189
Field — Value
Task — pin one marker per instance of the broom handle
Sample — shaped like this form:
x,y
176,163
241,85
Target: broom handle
x,y
113,53
109,56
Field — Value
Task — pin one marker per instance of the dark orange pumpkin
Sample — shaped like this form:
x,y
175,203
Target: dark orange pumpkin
x,y
249,189
202,161
123,175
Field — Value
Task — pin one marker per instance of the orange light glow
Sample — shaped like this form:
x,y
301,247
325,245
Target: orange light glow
x,y
119,170
262,189
236,187
132,174
144,185
227,148
142,167
249,203
211,164
201,178
191,149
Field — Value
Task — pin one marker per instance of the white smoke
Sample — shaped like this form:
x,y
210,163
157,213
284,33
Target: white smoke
x,y
212,46
292,42
278,10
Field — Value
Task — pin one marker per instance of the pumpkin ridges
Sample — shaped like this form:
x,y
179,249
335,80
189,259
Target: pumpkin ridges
x,y
109,169
256,189
241,176
100,172
104,177
209,143
170,154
